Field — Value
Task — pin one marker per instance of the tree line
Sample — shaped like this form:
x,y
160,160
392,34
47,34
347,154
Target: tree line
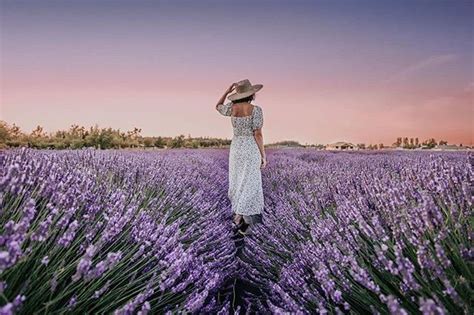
x,y
413,143
77,137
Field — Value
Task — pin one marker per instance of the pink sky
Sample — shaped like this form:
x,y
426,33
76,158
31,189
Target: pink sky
x,y
327,77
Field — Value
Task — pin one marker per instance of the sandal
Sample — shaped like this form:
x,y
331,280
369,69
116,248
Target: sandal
x,y
236,226
246,231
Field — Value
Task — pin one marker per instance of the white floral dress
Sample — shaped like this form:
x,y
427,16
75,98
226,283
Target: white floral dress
x,y
245,178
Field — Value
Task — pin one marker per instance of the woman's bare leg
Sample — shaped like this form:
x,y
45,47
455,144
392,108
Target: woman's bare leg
x,y
237,218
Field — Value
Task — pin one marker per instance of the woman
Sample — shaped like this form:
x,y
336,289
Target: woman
x,y
247,154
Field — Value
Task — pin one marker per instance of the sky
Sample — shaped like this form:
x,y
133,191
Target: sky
x,y
358,71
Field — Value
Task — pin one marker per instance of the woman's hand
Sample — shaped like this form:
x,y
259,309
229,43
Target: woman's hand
x,y
264,162
231,88
223,97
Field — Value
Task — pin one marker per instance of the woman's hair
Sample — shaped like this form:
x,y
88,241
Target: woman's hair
x,y
248,99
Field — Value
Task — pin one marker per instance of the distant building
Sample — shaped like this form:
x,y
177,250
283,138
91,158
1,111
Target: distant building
x,y
341,145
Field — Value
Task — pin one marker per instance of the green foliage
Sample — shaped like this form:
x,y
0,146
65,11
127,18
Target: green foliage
x,y
4,132
413,143
159,142
77,137
177,142
288,143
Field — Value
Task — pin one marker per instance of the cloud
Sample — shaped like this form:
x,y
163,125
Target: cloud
x,y
421,65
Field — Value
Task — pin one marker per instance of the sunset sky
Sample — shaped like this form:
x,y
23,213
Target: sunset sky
x,y
359,71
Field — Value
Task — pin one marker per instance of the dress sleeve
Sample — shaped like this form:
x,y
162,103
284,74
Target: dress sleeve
x,y
257,119
225,109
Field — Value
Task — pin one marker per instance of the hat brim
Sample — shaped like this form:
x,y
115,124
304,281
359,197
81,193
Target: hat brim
x,y
236,96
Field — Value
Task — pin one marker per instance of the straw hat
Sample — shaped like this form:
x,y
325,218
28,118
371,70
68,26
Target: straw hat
x,y
243,89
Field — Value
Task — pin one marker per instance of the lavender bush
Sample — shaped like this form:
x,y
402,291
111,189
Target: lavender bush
x,y
128,232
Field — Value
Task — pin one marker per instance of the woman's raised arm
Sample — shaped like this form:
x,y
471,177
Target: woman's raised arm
x,y
223,97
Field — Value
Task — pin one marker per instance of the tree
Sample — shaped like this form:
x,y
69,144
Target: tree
x,y
417,143
4,132
6,135
38,132
405,142
177,142
15,131
12,136
133,137
399,142
430,143
443,142
160,142
134,134
148,142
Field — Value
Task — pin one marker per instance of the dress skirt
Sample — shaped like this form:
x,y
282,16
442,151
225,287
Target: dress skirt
x,y
245,178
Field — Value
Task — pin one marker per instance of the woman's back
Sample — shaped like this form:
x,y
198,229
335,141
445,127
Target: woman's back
x,y
242,109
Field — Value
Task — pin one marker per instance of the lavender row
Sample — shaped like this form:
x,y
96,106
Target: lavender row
x,y
113,232
364,233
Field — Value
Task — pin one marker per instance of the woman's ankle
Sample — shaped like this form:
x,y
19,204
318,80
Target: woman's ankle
x,y
238,218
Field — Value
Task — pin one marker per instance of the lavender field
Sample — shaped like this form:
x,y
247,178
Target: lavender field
x,y
129,232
